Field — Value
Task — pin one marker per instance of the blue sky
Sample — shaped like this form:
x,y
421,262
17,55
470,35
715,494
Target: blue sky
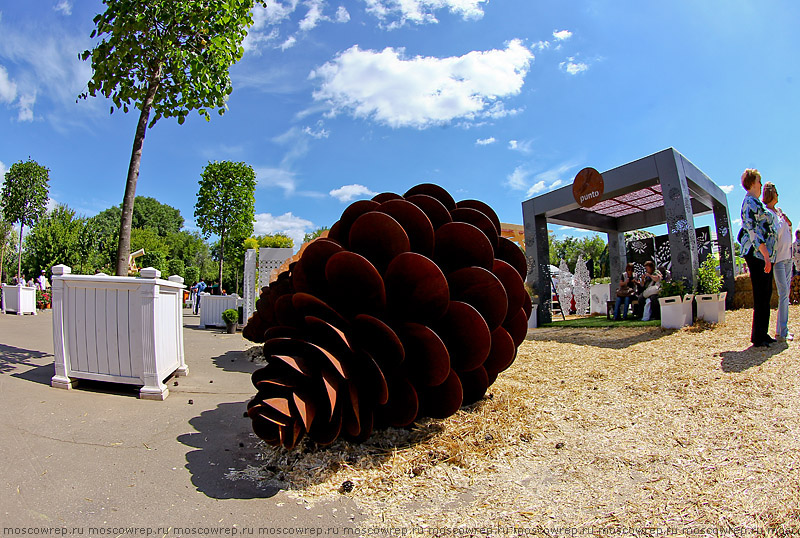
x,y
497,100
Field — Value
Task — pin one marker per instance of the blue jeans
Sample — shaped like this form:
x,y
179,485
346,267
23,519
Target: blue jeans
x,y
618,303
783,276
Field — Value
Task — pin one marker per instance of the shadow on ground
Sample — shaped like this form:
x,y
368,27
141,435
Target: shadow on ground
x,y
606,337
230,462
739,361
225,445
11,358
236,361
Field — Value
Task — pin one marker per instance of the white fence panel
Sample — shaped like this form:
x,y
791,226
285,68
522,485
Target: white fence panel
x,y
212,306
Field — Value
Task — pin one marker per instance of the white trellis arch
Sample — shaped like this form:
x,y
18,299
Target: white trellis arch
x,y
260,268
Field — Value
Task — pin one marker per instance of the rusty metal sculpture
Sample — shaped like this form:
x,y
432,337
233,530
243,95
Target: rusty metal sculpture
x,y
410,307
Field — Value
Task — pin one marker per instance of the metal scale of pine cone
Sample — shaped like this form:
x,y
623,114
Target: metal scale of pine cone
x,y
410,308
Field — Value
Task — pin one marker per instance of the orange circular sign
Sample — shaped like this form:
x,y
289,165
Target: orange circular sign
x,y
588,187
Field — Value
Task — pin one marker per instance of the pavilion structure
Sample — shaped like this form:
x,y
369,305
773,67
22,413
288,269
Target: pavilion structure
x,y
661,188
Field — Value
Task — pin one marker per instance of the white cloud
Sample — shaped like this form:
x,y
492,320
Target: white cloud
x,y
8,88
485,141
421,91
64,6
277,177
290,42
321,132
25,106
51,204
727,189
268,21
314,15
522,147
573,229
342,15
541,45
294,227
737,222
518,179
536,188
422,11
522,179
46,67
572,66
346,193
561,35
3,170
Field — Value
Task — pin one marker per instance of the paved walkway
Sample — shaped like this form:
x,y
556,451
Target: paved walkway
x,y
99,456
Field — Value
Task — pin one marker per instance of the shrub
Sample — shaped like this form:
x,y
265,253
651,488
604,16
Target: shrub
x,y
708,280
671,288
230,315
155,259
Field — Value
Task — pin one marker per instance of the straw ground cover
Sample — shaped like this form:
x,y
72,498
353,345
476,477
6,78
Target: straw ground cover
x,y
620,427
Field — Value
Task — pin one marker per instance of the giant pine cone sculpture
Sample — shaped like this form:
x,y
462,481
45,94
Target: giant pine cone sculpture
x,y
410,307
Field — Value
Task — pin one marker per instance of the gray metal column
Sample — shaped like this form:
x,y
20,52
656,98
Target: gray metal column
x,y
726,252
617,260
537,251
680,219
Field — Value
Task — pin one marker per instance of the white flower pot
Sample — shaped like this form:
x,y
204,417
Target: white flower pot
x,y
676,312
118,329
711,307
19,300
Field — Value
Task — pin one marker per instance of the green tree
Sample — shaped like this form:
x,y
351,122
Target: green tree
x,y
52,240
275,241
24,198
313,235
150,213
168,57
226,202
7,243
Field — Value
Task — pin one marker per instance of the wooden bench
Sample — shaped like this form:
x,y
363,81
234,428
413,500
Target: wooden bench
x,y
610,307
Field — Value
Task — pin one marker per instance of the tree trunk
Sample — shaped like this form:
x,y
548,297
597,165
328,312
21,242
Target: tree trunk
x,y
124,244
19,257
221,256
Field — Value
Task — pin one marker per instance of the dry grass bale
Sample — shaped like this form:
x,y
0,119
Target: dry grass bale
x,y
743,294
612,427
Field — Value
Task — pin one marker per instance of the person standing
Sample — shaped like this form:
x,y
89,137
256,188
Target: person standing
x,y
796,252
757,239
199,288
782,268
41,282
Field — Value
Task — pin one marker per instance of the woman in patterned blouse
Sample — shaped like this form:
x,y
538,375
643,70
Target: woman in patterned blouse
x,y
757,239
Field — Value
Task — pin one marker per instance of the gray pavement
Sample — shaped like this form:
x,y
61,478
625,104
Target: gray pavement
x,y
97,456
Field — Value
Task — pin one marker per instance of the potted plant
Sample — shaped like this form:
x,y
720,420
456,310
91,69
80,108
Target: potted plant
x,y
43,299
710,302
676,308
231,319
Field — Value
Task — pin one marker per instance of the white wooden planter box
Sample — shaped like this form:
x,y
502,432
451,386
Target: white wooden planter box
x,y
676,312
711,307
118,329
212,306
19,300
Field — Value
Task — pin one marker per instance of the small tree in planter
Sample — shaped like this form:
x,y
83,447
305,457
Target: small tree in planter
x,y
231,318
710,302
676,308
